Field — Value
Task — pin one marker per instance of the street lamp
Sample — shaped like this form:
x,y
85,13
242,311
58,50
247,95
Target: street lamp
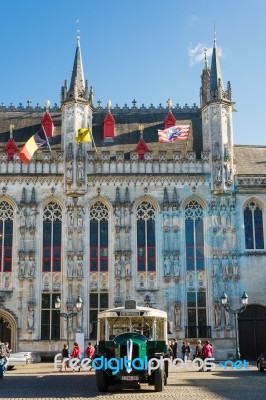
x,y
244,300
68,315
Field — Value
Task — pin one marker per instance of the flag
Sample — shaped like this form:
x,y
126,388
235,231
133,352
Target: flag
x,y
84,135
33,144
47,124
174,133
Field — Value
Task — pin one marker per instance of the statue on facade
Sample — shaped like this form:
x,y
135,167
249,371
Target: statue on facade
x,y
30,319
22,216
117,216
80,171
31,267
118,268
176,266
177,315
226,317
167,266
127,267
217,314
21,267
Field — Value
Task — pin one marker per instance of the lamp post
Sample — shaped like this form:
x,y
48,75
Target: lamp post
x,y
235,313
68,315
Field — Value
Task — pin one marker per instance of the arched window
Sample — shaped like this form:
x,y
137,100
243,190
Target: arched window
x,y
196,299
98,261
6,236
253,222
146,251
194,237
52,237
98,237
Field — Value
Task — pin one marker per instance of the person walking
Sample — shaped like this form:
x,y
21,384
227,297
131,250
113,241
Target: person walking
x,y
76,353
65,358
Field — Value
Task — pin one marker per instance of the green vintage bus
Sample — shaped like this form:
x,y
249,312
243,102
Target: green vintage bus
x,y
128,338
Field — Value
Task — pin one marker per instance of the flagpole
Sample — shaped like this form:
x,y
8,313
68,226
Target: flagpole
x,y
94,143
186,147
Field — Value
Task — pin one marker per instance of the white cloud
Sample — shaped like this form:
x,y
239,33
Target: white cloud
x,y
196,54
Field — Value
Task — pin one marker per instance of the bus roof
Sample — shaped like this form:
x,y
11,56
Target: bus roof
x,y
138,311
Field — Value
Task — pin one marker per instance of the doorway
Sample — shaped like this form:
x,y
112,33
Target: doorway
x,y
252,331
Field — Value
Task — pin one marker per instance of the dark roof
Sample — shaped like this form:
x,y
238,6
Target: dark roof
x,y
250,160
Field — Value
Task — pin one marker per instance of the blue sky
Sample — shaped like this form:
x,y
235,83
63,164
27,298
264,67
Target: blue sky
x,y
148,50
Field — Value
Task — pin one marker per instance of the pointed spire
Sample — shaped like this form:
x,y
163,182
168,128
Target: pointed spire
x,y
77,84
216,80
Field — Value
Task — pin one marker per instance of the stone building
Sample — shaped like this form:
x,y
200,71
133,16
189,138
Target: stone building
x,y
172,225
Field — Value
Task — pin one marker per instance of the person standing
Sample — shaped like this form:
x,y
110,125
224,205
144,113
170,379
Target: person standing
x,y
183,350
198,353
3,359
175,348
90,351
65,358
207,351
187,351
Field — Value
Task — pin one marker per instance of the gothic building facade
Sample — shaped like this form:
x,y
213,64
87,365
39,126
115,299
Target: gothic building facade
x,y
172,225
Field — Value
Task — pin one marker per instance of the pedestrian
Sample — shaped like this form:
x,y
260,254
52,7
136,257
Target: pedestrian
x,y
90,351
187,351
198,353
170,348
3,359
8,350
175,349
183,350
65,358
76,353
207,350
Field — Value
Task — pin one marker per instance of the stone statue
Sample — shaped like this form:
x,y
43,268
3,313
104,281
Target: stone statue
x,y
117,216
70,267
217,314
167,266
30,318
80,171
226,317
177,315
32,217
176,266
127,267
31,266
218,175
118,268
22,265
22,217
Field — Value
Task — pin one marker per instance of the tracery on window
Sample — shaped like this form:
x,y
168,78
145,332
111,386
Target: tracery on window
x,y
194,236
98,237
146,249
52,237
6,236
253,224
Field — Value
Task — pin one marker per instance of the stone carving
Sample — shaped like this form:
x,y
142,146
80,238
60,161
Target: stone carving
x,y
217,314
30,319
177,315
167,266
176,266
118,267
31,267
127,267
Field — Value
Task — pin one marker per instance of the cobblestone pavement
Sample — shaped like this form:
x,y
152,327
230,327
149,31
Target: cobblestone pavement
x,y
40,381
